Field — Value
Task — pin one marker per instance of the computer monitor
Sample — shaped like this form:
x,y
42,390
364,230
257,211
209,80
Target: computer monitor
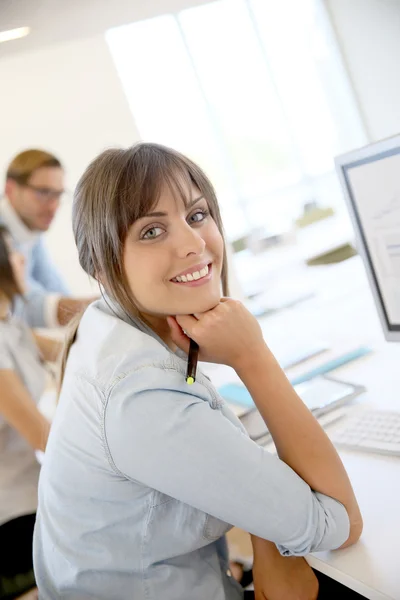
x,y
370,178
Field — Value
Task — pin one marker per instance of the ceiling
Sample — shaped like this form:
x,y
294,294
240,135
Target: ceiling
x,y
53,21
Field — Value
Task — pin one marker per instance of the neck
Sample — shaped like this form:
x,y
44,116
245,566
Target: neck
x,y
160,326
5,306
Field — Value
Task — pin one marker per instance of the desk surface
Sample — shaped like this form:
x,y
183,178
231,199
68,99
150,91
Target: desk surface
x,y
371,567
344,317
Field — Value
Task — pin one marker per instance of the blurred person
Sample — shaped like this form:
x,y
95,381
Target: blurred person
x,y
23,429
33,191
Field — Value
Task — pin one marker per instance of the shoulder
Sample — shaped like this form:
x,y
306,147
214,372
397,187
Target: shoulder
x,y
115,355
107,347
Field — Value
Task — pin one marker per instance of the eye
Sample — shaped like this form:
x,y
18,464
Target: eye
x,y
199,216
152,233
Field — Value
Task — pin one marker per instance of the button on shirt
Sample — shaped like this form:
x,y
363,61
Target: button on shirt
x,y
143,476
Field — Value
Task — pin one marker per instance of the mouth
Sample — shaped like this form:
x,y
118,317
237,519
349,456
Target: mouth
x,y
196,276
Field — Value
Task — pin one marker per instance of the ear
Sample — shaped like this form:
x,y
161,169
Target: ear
x,y
10,188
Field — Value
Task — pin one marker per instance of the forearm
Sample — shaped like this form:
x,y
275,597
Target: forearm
x,y
35,428
20,411
49,348
300,440
69,307
263,549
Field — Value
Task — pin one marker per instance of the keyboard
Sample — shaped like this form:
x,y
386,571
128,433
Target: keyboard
x,y
376,431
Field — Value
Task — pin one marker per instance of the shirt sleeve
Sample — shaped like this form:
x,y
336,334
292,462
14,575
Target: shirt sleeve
x,y
6,361
32,307
166,435
44,271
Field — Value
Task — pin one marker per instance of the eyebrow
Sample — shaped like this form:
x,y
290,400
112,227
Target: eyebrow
x,y
164,214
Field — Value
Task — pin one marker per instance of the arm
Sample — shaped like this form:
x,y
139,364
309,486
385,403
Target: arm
x,y
67,308
40,309
20,411
278,577
49,348
300,440
229,334
58,308
169,438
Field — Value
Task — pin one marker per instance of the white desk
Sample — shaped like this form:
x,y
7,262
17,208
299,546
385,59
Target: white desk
x,y
345,317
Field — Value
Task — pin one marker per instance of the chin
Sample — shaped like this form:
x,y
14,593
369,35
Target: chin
x,y
43,228
200,305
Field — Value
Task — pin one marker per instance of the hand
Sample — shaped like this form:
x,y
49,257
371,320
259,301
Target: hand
x,y
277,577
227,334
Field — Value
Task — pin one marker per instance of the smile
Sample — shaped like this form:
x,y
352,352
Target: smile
x,y
194,276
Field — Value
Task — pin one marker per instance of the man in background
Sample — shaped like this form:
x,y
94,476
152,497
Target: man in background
x,y
33,191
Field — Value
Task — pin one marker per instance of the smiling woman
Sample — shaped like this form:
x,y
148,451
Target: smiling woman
x,y
173,265
163,214
144,474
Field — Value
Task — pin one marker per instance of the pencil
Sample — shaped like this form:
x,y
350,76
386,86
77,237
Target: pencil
x,y
192,362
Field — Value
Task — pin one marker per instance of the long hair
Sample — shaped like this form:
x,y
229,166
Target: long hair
x,y
8,285
119,187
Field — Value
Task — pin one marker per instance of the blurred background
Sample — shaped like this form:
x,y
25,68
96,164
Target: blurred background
x,y
262,94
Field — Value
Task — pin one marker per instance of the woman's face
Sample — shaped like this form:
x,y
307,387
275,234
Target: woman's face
x,y
173,257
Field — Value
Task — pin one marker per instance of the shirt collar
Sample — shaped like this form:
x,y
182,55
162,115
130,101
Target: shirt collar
x,y
19,231
110,306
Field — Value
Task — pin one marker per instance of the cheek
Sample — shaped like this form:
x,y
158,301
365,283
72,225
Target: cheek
x,y
214,240
144,270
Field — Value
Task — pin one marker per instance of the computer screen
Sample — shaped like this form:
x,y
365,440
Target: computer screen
x,y
370,179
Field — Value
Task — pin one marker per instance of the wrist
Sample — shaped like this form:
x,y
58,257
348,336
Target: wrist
x,y
254,363
263,547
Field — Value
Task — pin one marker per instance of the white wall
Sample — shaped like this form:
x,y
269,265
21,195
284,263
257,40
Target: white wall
x,y
65,95
65,98
368,32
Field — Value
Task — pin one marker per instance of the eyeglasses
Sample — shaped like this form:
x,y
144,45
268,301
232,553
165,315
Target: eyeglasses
x,y
46,195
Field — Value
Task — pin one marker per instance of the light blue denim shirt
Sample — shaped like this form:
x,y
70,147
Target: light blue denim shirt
x,y
143,476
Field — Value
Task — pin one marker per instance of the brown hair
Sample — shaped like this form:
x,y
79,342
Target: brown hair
x,y
8,285
119,187
24,164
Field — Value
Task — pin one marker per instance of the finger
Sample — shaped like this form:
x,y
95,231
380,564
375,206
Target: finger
x,y
187,322
199,316
178,336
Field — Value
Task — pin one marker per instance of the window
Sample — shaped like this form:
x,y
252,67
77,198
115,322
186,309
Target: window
x,y
252,90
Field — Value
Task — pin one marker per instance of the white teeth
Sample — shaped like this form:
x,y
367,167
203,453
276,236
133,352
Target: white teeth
x,y
192,276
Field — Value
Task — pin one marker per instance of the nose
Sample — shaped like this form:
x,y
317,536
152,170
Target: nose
x,y
189,241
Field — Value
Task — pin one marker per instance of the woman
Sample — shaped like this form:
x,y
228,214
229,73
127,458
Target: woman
x,y
23,429
144,474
